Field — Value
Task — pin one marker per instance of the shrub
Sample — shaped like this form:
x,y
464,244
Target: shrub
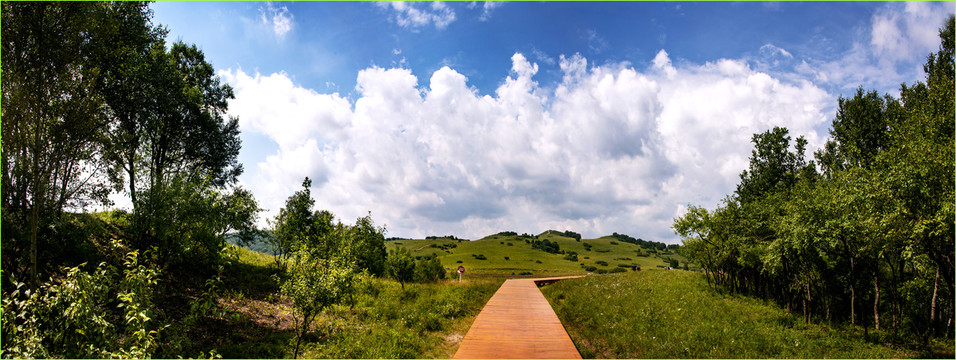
x,y
601,262
71,318
525,273
601,271
590,268
429,270
613,242
506,258
400,266
617,270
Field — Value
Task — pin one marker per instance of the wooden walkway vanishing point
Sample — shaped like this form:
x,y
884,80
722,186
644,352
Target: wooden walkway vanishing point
x,y
518,323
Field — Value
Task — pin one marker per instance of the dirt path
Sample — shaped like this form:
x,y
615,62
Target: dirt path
x,y
519,323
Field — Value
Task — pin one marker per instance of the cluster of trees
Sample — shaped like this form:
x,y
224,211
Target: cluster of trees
x,y
402,267
864,234
546,246
566,233
95,102
452,237
642,243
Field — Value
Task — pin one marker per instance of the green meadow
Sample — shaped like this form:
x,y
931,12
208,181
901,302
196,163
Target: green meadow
x,y
674,314
514,256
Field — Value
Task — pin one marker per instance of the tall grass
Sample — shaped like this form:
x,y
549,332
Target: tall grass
x,y
421,321
674,314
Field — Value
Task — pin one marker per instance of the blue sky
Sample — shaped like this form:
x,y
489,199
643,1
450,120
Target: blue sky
x,y
472,118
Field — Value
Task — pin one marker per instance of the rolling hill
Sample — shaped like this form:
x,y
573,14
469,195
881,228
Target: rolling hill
x,y
506,255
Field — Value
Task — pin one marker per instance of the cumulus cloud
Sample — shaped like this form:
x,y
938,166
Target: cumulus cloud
x,y
416,15
610,148
278,18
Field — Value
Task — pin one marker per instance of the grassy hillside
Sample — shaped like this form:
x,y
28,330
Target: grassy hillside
x,y
421,321
674,314
593,255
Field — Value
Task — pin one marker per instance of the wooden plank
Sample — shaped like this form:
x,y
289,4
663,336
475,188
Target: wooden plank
x,y
518,323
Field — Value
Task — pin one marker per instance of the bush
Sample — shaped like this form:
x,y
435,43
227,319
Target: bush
x,y
400,266
617,270
601,271
590,268
546,246
429,270
479,257
506,258
71,319
601,262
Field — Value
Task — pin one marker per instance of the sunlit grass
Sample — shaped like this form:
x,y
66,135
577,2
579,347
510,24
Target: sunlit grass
x,y
674,314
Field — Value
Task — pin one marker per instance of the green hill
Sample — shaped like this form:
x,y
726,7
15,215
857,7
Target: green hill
x,y
507,255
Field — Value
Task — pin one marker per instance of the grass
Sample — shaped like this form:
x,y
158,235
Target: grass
x,y
523,259
421,321
674,314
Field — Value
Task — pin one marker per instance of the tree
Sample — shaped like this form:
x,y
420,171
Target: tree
x,y
318,256
53,110
401,266
297,225
369,246
429,270
315,281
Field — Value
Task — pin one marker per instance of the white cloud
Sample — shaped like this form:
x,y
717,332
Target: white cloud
x,y
891,52
610,148
279,18
487,8
416,15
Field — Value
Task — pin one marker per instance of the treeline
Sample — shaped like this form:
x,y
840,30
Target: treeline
x,y
95,102
451,237
644,243
863,234
566,233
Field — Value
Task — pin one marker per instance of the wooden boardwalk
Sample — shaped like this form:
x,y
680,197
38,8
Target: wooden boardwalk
x,y
518,323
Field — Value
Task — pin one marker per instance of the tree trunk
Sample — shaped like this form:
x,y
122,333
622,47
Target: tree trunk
x,y
876,302
932,304
34,225
809,303
852,296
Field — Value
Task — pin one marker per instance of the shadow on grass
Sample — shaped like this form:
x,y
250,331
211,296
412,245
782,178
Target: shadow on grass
x,y
253,281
